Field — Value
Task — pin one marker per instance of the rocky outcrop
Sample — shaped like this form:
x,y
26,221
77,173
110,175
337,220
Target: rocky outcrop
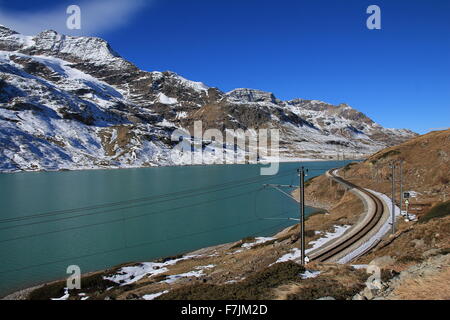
x,y
412,281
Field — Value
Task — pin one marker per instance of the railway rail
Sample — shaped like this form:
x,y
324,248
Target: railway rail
x,y
356,234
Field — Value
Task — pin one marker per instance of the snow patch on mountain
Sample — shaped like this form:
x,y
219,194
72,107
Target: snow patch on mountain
x,y
166,100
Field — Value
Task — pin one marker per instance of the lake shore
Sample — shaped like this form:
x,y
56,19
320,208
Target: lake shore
x,y
217,251
92,168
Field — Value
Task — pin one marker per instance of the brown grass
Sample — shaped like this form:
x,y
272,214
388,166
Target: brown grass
x,y
122,140
435,287
438,211
257,286
426,170
407,248
90,283
338,281
343,206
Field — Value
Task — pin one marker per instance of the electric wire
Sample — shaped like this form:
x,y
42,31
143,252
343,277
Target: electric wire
x,y
230,184
121,208
52,213
131,247
122,219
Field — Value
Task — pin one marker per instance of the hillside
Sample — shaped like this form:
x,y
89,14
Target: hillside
x,y
75,103
426,169
418,252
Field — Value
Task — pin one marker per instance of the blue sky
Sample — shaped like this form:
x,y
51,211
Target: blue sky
x,y
315,49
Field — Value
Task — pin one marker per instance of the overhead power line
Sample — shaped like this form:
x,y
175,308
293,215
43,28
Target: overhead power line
x,y
122,219
126,247
147,201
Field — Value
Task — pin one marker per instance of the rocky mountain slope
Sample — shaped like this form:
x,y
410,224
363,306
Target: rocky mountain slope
x,y
73,103
425,169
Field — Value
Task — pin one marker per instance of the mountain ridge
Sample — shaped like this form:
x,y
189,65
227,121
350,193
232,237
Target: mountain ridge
x,y
121,116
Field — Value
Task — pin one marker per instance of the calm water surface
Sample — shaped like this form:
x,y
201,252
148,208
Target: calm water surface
x,y
97,219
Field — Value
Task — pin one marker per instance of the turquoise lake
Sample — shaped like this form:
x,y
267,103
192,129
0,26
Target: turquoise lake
x,y
100,218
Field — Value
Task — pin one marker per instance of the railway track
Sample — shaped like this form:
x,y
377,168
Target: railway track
x,y
358,232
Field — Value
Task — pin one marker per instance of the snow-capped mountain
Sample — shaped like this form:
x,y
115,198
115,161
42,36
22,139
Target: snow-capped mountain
x,y
73,102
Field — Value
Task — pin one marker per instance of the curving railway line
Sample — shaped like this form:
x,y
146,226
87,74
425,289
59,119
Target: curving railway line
x,y
356,234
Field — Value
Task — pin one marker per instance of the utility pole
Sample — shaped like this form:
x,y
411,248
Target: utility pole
x,y
401,186
302,214
302,173
393,166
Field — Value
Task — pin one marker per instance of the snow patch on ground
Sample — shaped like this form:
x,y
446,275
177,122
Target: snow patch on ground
x,y
199,272
65,296
259,240
413,194
296,253
231,281
128,275
209,266
291,256
83,296
360,266
338,231
154,295
309,274
190,274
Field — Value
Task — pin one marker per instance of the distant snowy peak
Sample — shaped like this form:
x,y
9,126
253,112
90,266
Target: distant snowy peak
x,y
90,49
95,57
319,108
73,102
252,95
11,40
196,86
50,43
5,33
85,50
